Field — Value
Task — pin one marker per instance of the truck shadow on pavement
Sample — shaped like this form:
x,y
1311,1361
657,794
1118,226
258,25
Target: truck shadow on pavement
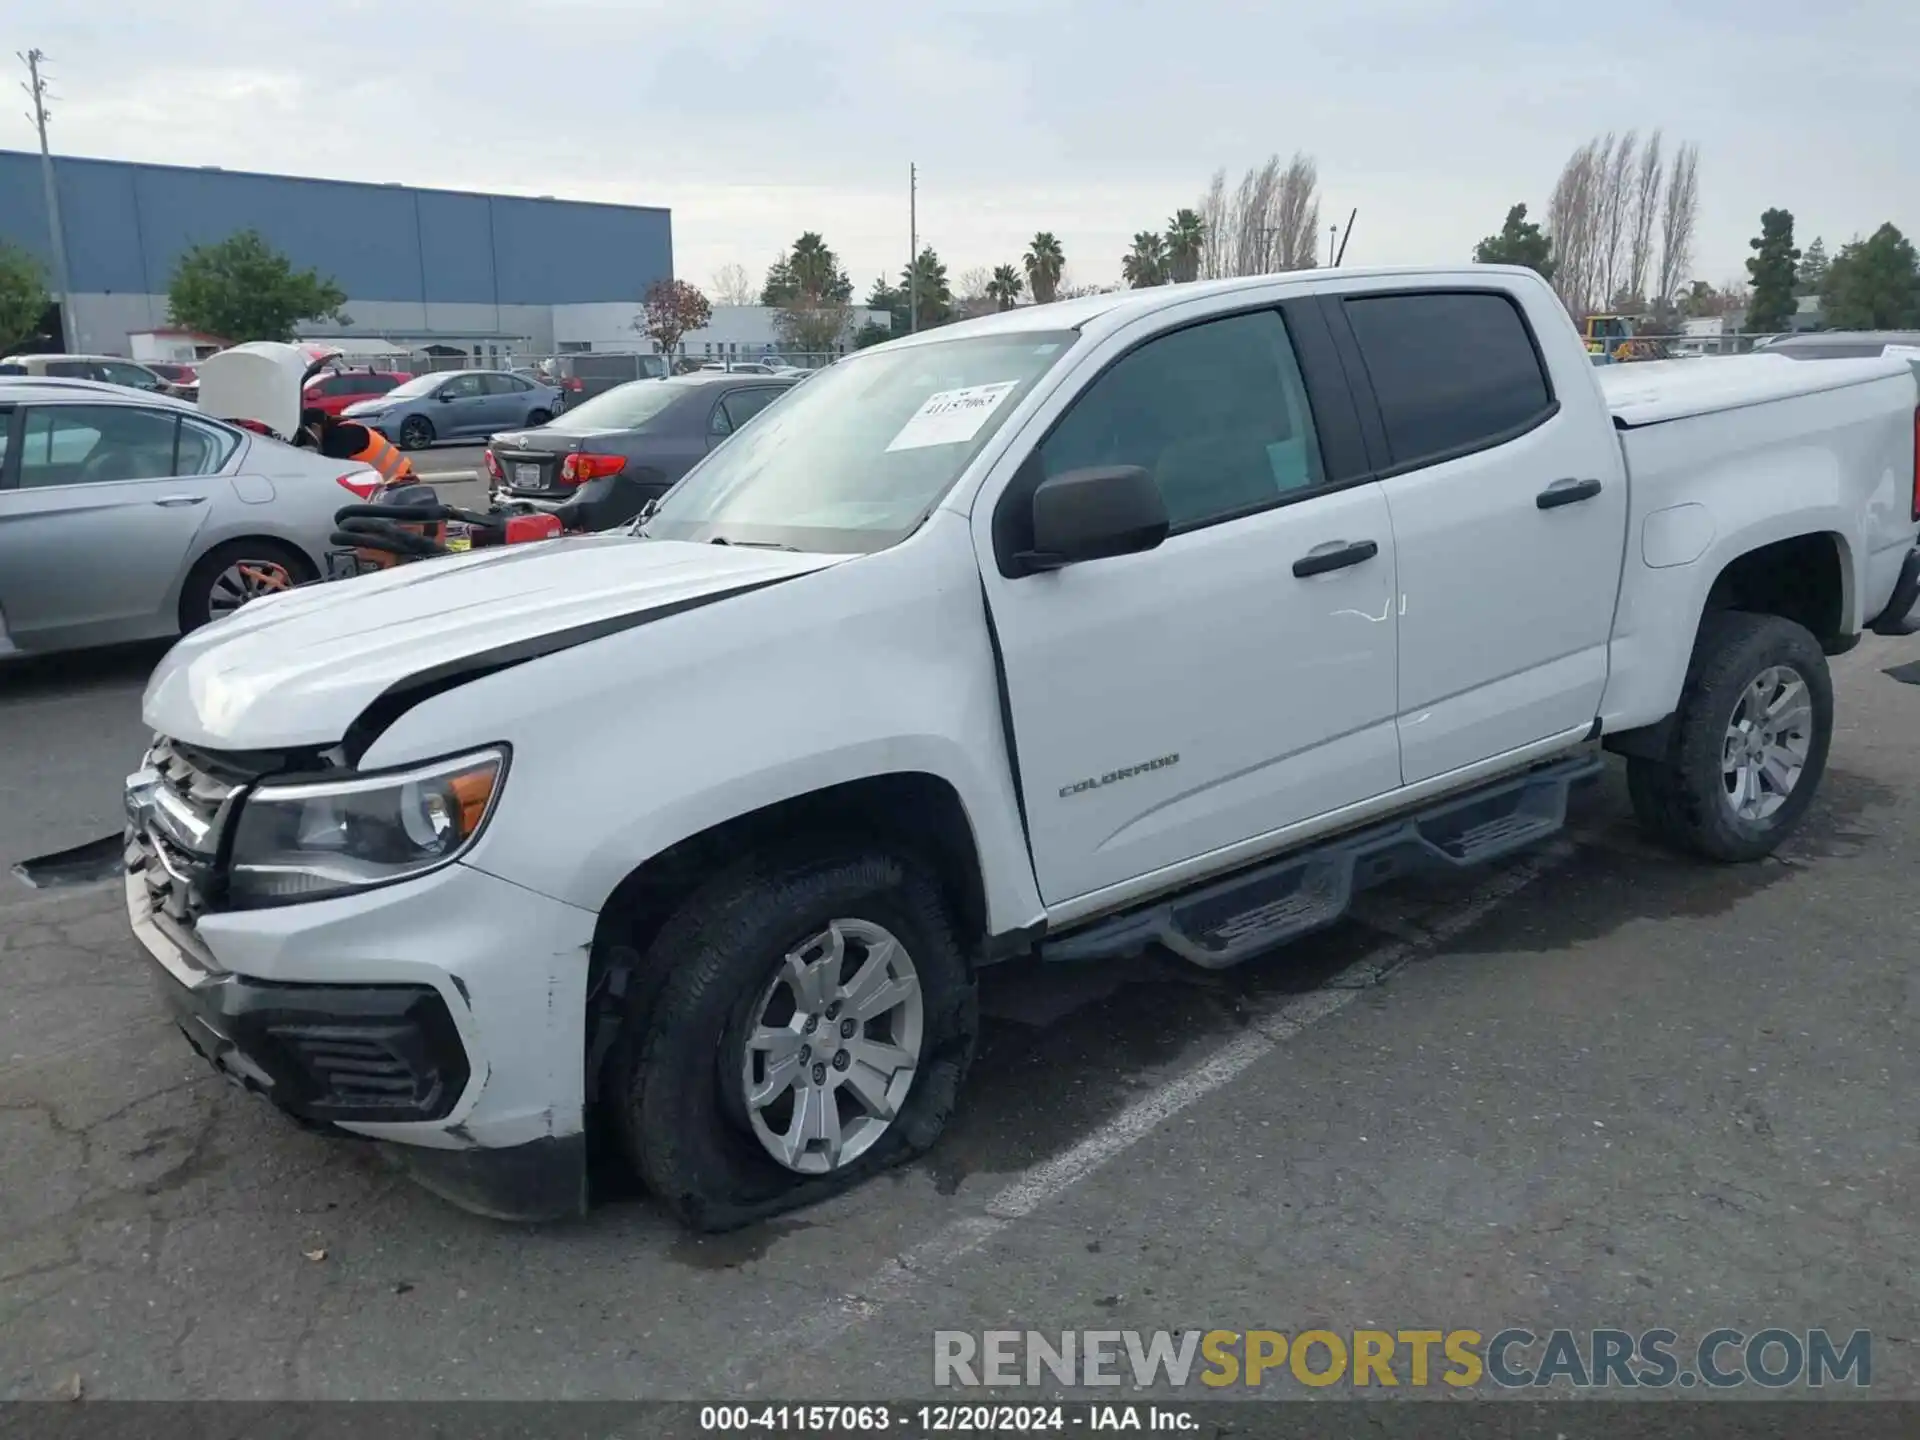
x,y
1063,1049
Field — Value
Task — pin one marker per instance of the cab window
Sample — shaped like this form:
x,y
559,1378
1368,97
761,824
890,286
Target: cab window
x,y
1217,413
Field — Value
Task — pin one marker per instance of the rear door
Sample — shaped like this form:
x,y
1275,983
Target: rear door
x,y
98,512
509,400
742,405
1509,506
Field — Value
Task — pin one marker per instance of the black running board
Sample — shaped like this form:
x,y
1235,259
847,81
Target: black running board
x,y
1232,920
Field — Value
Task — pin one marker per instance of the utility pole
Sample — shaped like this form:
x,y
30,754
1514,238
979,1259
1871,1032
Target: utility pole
x,y
36,89
913,248
1333,234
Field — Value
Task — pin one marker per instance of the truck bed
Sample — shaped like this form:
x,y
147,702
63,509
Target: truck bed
x,y
1654,391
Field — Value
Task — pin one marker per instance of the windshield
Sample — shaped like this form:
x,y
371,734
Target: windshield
x,y
853,460
418,385
625,407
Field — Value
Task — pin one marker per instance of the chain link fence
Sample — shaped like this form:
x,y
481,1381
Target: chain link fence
x,y
1618,350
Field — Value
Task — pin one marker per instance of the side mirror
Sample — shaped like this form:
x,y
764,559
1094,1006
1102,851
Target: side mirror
x,y
1094,514
445,397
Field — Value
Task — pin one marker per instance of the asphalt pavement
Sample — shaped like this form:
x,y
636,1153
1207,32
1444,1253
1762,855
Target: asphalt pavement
x,y
1596,1086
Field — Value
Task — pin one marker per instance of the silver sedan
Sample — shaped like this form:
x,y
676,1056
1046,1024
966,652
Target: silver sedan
x,y
135,517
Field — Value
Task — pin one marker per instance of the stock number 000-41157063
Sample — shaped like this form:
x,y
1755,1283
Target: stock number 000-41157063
x,y
928,1419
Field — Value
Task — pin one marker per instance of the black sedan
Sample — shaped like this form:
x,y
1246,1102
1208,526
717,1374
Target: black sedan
x,y
601,461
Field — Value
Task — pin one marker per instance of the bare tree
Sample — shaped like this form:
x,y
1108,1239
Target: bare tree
x,y
1616,203
1572,219
1678,213
1269,222
1214,217
1645,211
732,285
1621,218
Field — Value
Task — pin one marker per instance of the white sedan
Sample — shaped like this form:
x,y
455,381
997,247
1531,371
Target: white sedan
x,y
132,517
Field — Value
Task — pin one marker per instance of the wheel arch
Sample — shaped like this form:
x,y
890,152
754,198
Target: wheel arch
x,y
205,546
1802,569
913,810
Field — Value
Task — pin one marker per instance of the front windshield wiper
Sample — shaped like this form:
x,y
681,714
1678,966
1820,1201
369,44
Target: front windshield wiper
x,y
755,544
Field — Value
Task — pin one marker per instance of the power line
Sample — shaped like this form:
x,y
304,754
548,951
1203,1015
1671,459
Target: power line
x,y
36,88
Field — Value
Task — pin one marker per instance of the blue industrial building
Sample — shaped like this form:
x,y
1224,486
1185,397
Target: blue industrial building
x,y
480,273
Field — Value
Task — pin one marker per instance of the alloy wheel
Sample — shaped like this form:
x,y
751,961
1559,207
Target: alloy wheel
x,y
832,1047
1767,742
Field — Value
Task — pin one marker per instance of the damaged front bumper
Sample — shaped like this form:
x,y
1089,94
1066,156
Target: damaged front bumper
x,y
443,1019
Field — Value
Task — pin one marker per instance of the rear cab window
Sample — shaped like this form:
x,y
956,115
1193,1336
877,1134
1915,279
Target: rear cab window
x,y
1452,371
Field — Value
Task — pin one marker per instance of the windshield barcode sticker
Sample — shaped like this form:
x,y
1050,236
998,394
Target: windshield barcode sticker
x,y
950,417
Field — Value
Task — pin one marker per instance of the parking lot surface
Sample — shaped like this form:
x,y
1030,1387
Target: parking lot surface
x,y
1598,1086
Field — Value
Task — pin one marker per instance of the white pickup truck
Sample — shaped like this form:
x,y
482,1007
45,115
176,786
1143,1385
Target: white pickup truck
x,y
1172,616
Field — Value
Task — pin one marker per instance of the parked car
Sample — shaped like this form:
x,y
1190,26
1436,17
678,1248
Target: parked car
x,y
599,464
1168,616
583,376
183,381
1843,344
456,404
333,391
130,517
107,369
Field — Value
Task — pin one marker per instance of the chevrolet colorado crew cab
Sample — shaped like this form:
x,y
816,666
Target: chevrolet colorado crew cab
x,y
1172,616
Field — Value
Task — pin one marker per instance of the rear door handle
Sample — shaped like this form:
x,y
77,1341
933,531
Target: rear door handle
x,y
1319,562
172,500
1566,492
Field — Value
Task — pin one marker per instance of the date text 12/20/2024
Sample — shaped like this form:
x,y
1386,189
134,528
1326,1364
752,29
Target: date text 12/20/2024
x,y
941,1419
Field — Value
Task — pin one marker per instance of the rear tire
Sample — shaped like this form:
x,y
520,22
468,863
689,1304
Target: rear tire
x,y
1696,798
217,584
681,1106
416,433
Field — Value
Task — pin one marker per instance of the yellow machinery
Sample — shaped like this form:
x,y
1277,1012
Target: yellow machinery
x,y
1616,337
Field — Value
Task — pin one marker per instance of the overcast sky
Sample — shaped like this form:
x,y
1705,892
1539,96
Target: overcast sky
x,y
757,119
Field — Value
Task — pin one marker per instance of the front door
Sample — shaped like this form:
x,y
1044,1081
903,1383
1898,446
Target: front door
x,y
462,403
1509,517
96,521
1170,704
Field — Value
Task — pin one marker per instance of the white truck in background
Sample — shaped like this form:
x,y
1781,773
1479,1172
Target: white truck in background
x,y
1169,616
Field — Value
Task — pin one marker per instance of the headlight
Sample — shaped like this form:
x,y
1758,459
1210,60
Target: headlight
x,y
331,837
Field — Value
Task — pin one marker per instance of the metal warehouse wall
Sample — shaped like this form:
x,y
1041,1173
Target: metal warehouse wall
x,y
127,224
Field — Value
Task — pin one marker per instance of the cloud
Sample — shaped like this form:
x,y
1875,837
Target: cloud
x,y
756,119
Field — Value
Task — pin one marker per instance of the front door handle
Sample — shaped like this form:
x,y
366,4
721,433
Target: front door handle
x,y
1319,562
172,500
1566,492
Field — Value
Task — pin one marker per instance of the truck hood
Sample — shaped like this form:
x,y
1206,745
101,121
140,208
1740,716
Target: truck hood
x,y
298,669
1648,392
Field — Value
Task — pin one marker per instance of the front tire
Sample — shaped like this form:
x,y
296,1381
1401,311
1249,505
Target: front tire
x,y
729,1103
416,433
537,418
1750,741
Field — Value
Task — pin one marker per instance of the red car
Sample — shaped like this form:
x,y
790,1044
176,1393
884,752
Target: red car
x,y
334,390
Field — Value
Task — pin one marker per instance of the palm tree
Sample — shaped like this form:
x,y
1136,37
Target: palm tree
x,y
1146,263
1186,235
816,271
926,280
1005,287
1045,262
